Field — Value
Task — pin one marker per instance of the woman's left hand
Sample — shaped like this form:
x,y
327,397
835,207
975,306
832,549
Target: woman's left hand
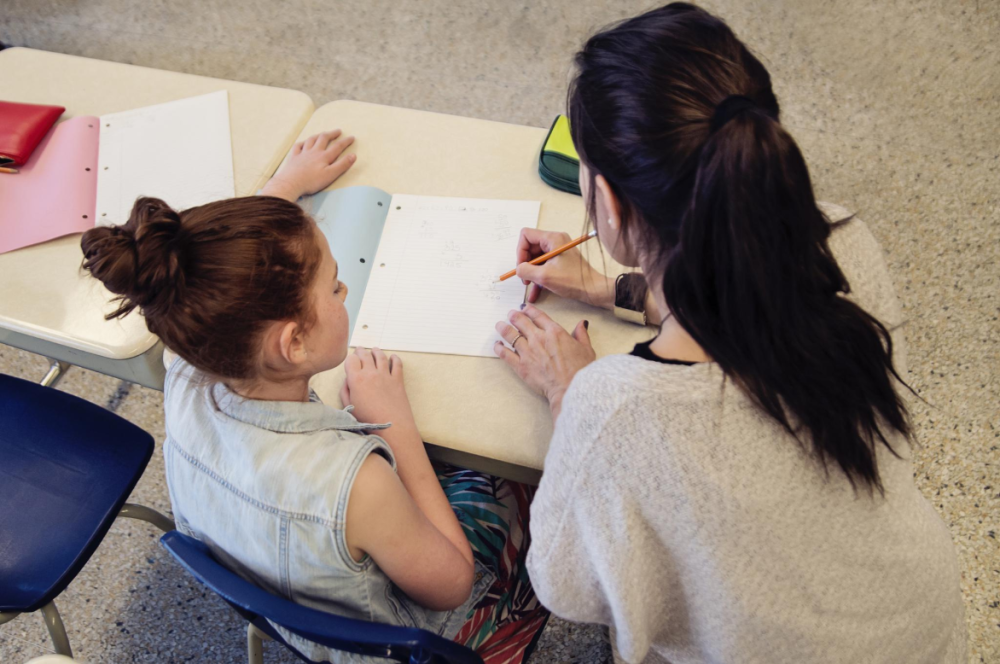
x,y
311,166
545,356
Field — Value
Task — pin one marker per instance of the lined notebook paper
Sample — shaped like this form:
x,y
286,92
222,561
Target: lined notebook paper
x,y
433,285
179,151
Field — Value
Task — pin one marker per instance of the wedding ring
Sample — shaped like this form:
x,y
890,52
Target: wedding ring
x,y
519,335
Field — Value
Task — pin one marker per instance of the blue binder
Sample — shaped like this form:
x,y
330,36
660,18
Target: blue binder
x,y
352,220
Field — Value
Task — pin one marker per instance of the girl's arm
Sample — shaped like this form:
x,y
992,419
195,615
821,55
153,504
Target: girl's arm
x,y
374,386
312,165
385,521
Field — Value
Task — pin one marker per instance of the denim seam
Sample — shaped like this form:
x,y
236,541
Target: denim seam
x,y
371,444
286,586
336,525
366,580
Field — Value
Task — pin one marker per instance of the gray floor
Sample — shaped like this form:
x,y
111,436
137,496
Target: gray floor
x,y
894,104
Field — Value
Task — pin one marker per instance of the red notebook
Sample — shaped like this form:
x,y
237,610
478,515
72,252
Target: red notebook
x,y
22,127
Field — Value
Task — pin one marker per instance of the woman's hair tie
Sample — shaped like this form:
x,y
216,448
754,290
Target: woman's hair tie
x,y
729,108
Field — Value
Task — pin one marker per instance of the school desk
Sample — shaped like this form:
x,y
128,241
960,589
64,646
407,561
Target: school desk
x,y
473,411
47,305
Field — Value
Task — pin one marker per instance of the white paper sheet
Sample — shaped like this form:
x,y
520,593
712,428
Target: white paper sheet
x,y
433,285
180,151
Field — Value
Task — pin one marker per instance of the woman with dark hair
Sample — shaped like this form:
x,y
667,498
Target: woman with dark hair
x,y
740,488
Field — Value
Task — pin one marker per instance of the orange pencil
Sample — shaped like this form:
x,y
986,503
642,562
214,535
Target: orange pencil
x,y
555,252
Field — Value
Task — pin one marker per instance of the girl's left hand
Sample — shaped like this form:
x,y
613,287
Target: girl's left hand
x,y
545,356
312,165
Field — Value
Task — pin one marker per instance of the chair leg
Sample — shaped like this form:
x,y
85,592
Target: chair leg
x,y
143,513
56,371
7,616
255,644
57,632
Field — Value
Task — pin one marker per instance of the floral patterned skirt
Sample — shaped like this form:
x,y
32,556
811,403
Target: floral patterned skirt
x,y
506,624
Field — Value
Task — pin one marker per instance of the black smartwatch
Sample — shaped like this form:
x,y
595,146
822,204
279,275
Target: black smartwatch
x,y
630,297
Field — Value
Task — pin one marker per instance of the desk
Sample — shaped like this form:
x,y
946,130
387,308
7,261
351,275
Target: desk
x,y
473,411
46,305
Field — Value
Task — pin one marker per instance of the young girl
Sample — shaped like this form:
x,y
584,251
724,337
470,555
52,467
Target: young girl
x,y
301,498
740,488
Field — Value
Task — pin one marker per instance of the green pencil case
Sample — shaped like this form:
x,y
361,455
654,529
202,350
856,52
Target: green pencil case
x,y
558,161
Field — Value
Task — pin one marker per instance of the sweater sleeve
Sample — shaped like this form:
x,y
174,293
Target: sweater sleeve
x,y
582,531
562,570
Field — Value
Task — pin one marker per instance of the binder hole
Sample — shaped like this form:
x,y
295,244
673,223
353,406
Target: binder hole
x,y
91,126
380,203
108,125
398,208
382,265
104,214
105,168
364,327
84,216
362,260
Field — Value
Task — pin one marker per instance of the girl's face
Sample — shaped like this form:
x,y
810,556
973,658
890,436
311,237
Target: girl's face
x,y
326,340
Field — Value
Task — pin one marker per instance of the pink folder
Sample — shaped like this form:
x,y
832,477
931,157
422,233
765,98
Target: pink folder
x,y
55,192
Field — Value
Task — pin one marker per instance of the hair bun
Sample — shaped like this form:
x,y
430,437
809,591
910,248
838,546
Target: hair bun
x,y
141,261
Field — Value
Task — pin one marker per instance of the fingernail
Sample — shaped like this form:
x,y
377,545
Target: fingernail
x,y
586,324
352,157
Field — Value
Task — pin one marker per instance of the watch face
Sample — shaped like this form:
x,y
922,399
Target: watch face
x,y
630,291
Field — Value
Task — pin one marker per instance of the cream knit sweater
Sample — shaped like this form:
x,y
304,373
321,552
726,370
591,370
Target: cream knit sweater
x,y
678,513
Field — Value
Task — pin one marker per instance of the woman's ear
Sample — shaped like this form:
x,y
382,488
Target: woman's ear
x,y
607,202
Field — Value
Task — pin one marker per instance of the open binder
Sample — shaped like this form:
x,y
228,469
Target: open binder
x,y
89,170
422,271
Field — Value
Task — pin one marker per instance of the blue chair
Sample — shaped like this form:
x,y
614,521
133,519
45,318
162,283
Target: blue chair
x,y
66,468
257,606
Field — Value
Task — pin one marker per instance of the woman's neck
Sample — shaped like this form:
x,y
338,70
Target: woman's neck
x,y
295,389
673,342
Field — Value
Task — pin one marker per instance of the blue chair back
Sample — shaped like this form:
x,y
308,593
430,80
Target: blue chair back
x,y
402,644
67,466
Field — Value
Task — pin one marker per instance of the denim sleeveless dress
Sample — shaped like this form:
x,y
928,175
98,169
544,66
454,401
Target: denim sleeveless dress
x,y
265,485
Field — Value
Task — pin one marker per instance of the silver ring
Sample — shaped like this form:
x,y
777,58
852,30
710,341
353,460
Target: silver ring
x,y
519,335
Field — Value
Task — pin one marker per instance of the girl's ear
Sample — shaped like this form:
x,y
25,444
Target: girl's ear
x,y
290,343
607,202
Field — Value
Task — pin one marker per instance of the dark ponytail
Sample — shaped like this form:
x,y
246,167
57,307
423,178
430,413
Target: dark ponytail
x,y
679,117
210,278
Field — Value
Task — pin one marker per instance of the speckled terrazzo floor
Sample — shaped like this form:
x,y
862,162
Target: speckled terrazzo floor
x,y
896,106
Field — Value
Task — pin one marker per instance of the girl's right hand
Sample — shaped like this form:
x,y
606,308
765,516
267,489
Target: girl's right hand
x,y
567,275
374,386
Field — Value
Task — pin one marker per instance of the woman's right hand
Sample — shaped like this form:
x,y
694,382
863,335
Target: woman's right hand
x,y
567,275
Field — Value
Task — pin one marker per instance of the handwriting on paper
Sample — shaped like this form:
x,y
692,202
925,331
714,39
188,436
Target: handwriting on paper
x,y
437,291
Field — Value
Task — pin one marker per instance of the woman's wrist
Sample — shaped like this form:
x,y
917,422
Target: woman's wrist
x,y
601,294
555,407
555,404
